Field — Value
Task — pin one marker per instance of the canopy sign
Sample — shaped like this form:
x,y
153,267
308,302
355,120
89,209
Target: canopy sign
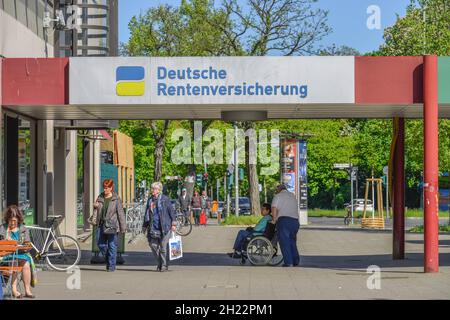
x,y
212,80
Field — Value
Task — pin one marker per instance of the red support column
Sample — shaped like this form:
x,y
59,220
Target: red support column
x,y
431,164
399,193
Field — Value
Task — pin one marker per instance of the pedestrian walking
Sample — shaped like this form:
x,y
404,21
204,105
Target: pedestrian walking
x,y
110,221
285,215
196,207
185,203
206,203
159,222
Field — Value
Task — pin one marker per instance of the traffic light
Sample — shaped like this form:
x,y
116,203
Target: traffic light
x,y
230,180
199,178
384,179
205,179
241,174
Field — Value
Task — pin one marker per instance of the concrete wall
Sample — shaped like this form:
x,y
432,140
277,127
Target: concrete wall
x,y
16,40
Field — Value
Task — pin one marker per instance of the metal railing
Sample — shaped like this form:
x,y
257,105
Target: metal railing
x,y
135,220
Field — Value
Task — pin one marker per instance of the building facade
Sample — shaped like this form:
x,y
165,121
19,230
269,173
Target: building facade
x,y
36,151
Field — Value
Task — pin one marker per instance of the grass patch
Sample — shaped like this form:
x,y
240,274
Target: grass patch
x,y
418,213
327,213
241,220
409,213
420,229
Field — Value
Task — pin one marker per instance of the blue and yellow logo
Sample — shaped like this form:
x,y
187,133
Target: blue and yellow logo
x,y
130,81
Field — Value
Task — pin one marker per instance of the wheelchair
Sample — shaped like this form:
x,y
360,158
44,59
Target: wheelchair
x,y
261,250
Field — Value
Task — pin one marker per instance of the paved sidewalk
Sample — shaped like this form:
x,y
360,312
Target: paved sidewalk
x,y
333,266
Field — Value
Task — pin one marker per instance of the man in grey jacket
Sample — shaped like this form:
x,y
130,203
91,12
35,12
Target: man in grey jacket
x,y
159,221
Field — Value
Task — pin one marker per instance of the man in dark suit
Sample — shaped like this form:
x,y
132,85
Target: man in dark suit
x,y
185,203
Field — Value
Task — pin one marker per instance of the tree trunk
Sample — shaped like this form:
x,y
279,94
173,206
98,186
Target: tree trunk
x,y
160,138
192,172
159,152
252,174
254,189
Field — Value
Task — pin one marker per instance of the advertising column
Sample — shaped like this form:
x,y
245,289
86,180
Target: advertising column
x,y
303,182
293,173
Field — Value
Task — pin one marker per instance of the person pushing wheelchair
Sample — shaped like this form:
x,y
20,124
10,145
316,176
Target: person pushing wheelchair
x,y
250,231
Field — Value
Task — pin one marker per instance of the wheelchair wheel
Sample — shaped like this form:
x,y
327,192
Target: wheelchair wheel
x,y
277,257
259,251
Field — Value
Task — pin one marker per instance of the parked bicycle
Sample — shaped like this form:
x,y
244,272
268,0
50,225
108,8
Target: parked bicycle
x,y
135,220
60,252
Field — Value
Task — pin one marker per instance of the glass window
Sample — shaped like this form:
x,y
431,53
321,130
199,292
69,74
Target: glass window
x,y
21,11
40,14
31,15
244,201
25,171
10,7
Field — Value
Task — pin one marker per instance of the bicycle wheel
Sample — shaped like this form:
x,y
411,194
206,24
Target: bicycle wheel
x,y
184,226
63,253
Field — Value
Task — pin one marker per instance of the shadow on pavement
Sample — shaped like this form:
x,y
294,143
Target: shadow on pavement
x,y
146,261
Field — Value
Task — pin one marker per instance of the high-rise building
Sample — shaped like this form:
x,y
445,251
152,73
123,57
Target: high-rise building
x,y
93,29
22,33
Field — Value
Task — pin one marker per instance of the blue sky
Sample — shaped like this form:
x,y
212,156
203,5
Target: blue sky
x,y
347,18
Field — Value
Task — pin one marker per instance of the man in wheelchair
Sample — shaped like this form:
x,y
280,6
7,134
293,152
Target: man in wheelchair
x,y
243,235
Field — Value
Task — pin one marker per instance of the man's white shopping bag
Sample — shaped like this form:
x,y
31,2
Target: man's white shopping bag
x,y
175,247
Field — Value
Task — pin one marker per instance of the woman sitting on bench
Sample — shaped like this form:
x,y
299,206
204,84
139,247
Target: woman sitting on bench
x,y
257,230
14,229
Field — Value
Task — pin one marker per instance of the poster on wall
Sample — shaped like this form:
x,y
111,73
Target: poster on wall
x,y
289,165
289,180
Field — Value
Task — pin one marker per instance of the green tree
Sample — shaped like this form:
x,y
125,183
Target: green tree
x,y
272,27
424,30
339,51
167,31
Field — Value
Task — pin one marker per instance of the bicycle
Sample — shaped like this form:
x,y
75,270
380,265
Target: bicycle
x,y
184,225
60,252
135,221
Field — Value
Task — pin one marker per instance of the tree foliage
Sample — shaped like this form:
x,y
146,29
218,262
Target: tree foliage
x,y
424,30
288,27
